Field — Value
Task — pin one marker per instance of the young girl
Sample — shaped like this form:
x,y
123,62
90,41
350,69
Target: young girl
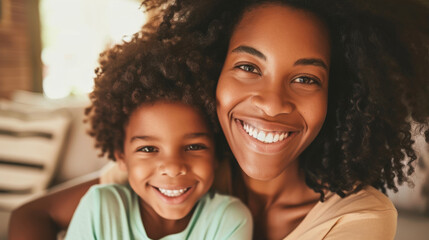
x,y
148,117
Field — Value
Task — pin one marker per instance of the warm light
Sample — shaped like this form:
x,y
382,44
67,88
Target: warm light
x,y
75,32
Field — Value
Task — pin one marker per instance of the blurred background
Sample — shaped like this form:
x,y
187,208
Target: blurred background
x,y
48,53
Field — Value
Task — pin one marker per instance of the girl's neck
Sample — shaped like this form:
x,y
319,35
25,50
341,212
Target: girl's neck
x,y
157,227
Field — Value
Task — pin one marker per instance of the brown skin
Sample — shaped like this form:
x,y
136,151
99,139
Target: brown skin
x,y
277,82
176,153
44,217
279,94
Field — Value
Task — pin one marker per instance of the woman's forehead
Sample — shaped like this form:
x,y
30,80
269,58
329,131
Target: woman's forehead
x,y
273,28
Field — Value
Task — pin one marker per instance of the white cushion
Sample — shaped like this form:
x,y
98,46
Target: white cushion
x,y
31,140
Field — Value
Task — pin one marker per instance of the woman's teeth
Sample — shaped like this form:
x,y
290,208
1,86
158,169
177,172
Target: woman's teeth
x,y
265,137
173,193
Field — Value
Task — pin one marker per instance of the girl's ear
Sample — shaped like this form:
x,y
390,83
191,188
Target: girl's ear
x,y
119,156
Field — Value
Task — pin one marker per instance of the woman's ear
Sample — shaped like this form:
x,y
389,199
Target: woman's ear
x,y
120,159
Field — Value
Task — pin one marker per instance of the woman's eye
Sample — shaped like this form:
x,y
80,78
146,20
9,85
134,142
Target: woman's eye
x,y
195,147
306,80
248,68
148,149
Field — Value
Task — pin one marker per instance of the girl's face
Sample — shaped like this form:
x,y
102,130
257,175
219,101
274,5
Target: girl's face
x,y
169,156
273,89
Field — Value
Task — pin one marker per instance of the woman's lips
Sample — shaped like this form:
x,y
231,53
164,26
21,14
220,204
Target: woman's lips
x,y
263,140
263,135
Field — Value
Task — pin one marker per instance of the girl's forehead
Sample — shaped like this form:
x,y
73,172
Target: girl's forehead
x,y
167,117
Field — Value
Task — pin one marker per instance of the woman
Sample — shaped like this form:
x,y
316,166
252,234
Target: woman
x,y
315,99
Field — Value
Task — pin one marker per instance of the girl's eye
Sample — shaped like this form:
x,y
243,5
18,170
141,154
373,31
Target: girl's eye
x,y
306,80
248,68
195,147
148,149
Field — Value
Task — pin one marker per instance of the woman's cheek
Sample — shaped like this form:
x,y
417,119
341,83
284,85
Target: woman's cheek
x,y
314,110
224,95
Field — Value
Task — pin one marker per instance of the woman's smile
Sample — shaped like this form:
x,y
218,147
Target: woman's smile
x,y
263,136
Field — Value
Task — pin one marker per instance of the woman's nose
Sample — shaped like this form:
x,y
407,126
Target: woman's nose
x,y
173,168
273,102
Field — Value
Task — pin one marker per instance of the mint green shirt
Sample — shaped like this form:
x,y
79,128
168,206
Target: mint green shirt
x,y
112,212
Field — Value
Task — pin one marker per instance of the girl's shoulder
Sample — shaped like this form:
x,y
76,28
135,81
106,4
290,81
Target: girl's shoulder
x,y
214,203
219,216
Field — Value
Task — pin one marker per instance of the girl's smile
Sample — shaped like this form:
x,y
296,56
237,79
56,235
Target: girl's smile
x,y
169,155
175,194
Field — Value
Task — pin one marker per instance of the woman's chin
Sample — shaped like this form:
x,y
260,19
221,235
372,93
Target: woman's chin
x,y
260,173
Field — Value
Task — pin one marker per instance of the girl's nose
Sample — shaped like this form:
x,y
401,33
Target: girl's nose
x,y
173,168
273,102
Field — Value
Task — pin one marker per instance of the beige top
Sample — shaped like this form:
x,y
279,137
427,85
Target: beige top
x,y
368,214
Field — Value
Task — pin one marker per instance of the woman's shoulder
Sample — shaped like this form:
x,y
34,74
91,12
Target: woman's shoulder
x,y
367,200
367,213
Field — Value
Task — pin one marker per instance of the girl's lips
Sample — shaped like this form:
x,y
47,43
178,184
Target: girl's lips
x,y
174,196
265,141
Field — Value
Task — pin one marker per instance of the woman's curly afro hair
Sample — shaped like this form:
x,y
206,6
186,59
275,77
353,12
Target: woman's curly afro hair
x,y
145,70
378,81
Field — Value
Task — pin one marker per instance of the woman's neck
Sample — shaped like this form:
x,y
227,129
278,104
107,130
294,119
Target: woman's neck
x,y
280,204
288,188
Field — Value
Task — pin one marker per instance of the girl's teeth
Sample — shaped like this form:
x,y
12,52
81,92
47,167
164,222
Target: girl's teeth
x,y
262,136
276,137
172,193
282,136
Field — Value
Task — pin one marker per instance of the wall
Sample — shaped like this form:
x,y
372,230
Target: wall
x,y
20,47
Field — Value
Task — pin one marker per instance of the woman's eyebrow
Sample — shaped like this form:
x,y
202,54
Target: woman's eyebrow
x,y
311,61
303,61
249,50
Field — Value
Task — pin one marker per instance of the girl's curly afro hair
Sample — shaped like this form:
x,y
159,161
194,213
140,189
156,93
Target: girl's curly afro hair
x,y
145,70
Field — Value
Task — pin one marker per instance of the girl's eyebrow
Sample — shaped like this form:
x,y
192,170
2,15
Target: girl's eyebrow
x,y
142,138
303,61
189,135
198,134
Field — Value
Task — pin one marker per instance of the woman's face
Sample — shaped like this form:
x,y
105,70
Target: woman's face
x,y
273,89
